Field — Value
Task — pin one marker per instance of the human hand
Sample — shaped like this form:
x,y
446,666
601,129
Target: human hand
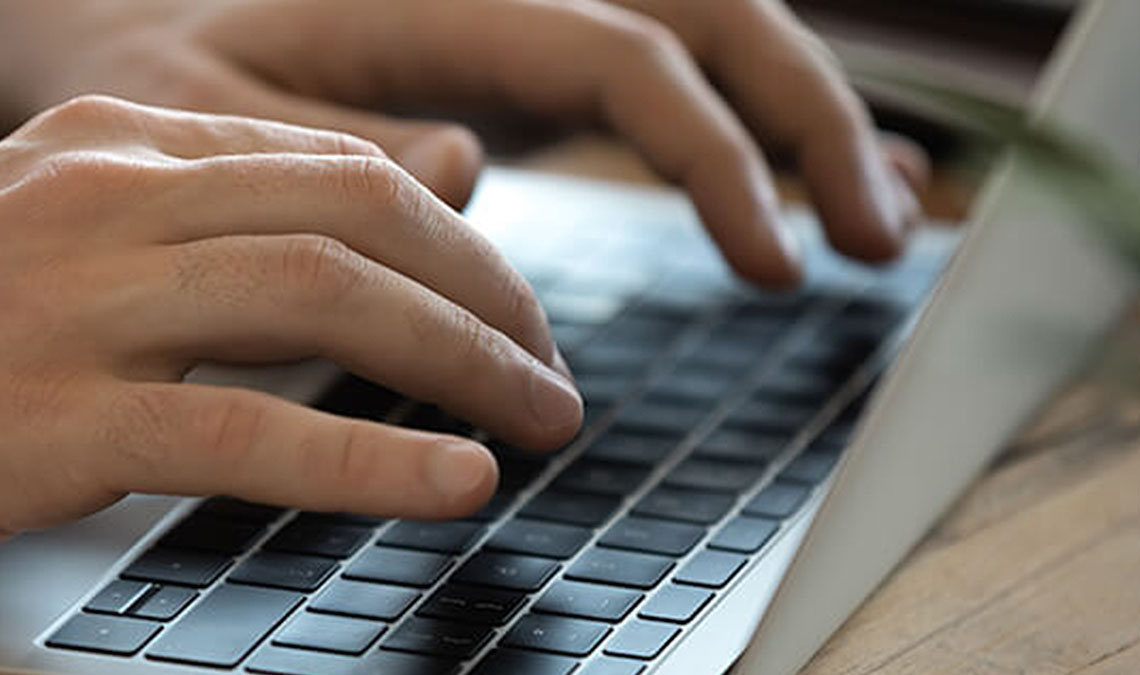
x,y
136,242
638,66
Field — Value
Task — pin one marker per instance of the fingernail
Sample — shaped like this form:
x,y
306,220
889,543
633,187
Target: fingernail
x,y
553,400
561,366
458,468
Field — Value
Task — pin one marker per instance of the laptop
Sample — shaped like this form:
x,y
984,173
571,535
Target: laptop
x,y
752,464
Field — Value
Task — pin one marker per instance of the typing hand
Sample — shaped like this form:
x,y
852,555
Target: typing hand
x,y
136,242
639,65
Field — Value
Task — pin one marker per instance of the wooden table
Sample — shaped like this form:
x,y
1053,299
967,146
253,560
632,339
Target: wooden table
x,y
1037,568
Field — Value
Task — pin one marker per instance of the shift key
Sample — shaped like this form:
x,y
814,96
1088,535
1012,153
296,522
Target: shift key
x,y
224,626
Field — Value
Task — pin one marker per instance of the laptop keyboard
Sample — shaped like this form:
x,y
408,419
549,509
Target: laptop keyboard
x,y
709,427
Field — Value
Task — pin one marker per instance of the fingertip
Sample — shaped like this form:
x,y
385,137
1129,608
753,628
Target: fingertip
x,y
463,474
448,161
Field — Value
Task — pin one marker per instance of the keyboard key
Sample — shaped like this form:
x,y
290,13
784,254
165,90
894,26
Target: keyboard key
x,y
229,508
675,604
706,474
778,500
652,536
604,389
397,566
367,600
691,506
575,508
587,601
206,533
505,570
284,570
630,448
712,569
665,419
555,634
493,509
532,537
642,640
620,568
810,467
104,634
315,537
780,419
328,633
511,662
612,358
724,353
352,519
601,478
165,603
744,534
739,445
224,626
117,597
178,566
607,666
284,661
352,396
690,385
473,604
797,387
442,537
433,637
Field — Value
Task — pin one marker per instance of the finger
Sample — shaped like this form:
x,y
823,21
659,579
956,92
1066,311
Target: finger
x,y
445,157
265,298
199,440
909,159
791,88
582,58
370,204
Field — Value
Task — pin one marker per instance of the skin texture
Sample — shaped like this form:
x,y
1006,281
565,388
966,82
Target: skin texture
x,y
136,242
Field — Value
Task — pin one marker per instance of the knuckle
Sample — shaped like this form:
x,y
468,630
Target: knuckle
x,y
350,461
80,173
525,315
318,271
645,39
85,111
226,430
448,329
348,144
378,180
137,428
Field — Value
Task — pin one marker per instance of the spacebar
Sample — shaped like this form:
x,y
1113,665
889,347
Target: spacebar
x,y
221,629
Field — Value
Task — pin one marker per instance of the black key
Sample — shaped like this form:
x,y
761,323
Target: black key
x,y
117,597
206,533
352,519
165,603
691,506
397,566
810,467
778,500
353,396
642,640
741,445
104,634
601,478
371,601
612,358
505,570
224,626
780,419
537,538
706,474
620,568
652,536
603,389
472,603
744,534
431,418
229,508
608,666
315,537
642,330
798,387
493,509
443,537
575,508
517,472
178,566
587,601
328,633
711,569
433,637
724,353
666,419
283,570
285,661
556,634
511,662
690,385
630,448
675,604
